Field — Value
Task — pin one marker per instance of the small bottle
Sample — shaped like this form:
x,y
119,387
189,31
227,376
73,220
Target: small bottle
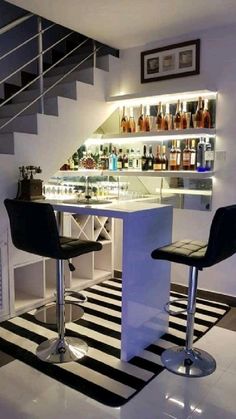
x,y
126,160
157,162
113,160
177,118
147,119
159,121
193,156
178,155
164,159
199,114
173,156
120,160
209,155
132,125
184,122
206,115
150,158
131,159
144,161
140,125
187,156
123,123
201,166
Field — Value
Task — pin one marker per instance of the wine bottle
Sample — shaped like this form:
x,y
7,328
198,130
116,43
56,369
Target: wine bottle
x,y
187,156
150,158
193,156
164,159
177,118
113,160
132,125
144,160
123,123
184,122
120,160
201,167
131,159
159,121
206,115
147,119
167,119
209,155
140,125
178,155
157,162
126,160
173,156
199,114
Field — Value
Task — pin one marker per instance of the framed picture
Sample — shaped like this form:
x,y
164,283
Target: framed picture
x,y
177,60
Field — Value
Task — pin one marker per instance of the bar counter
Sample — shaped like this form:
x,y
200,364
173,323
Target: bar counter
x,y
145,282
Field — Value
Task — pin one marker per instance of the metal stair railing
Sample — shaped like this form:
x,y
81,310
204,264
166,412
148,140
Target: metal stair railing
x,y
39,57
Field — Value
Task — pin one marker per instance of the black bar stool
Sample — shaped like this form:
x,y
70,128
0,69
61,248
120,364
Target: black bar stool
x,y
189,361
34,230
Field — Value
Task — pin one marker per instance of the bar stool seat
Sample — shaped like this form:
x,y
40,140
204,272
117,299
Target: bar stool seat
x,y
198,255
34,229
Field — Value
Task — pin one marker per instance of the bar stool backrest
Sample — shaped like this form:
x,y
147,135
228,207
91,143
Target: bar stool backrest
x,y
33,227
222,238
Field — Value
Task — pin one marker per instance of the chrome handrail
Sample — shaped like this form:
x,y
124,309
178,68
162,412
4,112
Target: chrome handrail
x,y
50,88
25,42
38,77
33,59
15,23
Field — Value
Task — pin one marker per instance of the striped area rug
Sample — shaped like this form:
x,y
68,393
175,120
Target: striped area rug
x,y
101,375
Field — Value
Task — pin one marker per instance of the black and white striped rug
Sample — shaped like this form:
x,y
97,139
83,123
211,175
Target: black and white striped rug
x,y
100,374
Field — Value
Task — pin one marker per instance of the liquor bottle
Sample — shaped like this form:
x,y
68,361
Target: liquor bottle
x,y
178,155
206,115
137,162
201,167
113,160
140,125
147,119
126,160
164,158
167,119
177,118
131,159
209,155
173,156
120,160
157,162
193,155
159,121
184,122
150,158
187,156
123,123
144,160
199,114
131,125
76,160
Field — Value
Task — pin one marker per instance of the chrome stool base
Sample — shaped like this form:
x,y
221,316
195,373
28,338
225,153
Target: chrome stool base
x,y
188,363
59,351
47,313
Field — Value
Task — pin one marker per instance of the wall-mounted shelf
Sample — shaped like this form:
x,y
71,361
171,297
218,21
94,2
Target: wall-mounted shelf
x,y
191,174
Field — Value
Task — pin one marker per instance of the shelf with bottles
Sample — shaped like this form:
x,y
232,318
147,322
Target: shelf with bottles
x,y
165,114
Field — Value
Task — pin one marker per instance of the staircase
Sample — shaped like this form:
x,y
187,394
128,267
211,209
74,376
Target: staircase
x,y
73,110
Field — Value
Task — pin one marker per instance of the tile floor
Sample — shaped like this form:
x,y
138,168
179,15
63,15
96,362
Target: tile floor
x,y
27,394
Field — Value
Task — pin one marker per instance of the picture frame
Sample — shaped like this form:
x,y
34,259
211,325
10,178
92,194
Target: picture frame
x,y
171,61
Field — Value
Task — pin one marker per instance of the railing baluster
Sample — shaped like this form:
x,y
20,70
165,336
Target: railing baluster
x,y
40,64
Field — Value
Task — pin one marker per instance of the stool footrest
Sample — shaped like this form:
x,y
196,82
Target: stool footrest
x,y
173,312
188,363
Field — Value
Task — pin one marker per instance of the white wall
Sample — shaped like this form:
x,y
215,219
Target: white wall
x,y
217,72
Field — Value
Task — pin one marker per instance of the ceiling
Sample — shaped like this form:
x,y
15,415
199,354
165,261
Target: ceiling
x,y
129,23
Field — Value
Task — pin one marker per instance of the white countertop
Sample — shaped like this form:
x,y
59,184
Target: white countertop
x,y
113,209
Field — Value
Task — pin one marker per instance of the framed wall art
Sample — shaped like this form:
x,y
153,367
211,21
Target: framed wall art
x,y
177,60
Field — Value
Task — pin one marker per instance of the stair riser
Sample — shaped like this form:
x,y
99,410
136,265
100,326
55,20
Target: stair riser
x,y
50,108
6,143
85,76
67,90
27,124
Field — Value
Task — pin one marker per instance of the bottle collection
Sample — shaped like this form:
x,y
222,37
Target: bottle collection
x,y
184,116
189,154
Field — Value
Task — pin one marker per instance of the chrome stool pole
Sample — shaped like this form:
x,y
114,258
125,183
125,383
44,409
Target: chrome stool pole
x,y
189,361
61,349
